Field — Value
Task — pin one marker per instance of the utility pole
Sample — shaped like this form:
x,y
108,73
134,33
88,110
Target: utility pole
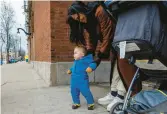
x,y
1,47
1,53
16,49
20,46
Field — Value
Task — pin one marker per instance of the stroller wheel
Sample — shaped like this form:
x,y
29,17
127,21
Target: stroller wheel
x,y
117,109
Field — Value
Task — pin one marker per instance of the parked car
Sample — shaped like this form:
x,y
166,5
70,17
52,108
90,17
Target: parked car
x,y
12,60
4,61
1,62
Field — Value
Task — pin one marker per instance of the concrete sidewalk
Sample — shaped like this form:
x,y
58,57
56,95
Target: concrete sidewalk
x,y
24,92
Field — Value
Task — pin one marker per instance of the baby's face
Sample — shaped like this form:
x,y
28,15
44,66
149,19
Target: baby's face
x,y
78,54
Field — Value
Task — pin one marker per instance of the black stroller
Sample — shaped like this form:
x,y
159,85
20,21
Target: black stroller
x,y
141,37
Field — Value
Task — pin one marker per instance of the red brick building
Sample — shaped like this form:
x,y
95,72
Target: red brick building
x,y
49,46
49,41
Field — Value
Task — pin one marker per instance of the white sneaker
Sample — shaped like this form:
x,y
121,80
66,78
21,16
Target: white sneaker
x,y
106,100
116,100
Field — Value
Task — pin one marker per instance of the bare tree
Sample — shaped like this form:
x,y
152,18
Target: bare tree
x,y
14,43
7,23
2,41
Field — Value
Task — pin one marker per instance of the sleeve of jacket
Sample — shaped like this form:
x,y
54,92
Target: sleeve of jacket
x,y
72,67
93,65
106,28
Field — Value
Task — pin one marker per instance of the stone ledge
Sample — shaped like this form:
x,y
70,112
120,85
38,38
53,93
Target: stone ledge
x,y
55,73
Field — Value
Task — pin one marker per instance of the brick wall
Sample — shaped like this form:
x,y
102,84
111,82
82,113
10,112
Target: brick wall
x,y
42,31
62,49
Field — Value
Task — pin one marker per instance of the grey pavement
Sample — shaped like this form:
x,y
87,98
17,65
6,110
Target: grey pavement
x,y
24,92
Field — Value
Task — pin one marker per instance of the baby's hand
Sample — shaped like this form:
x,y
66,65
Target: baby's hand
x,y
89,70
68,71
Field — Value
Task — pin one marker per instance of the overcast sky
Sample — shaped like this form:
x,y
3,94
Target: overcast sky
x,y
20,19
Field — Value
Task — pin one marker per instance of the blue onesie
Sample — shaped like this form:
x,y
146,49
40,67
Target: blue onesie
x,y
80,79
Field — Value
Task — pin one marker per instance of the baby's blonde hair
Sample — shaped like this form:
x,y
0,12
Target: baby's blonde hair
x,y
82,48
